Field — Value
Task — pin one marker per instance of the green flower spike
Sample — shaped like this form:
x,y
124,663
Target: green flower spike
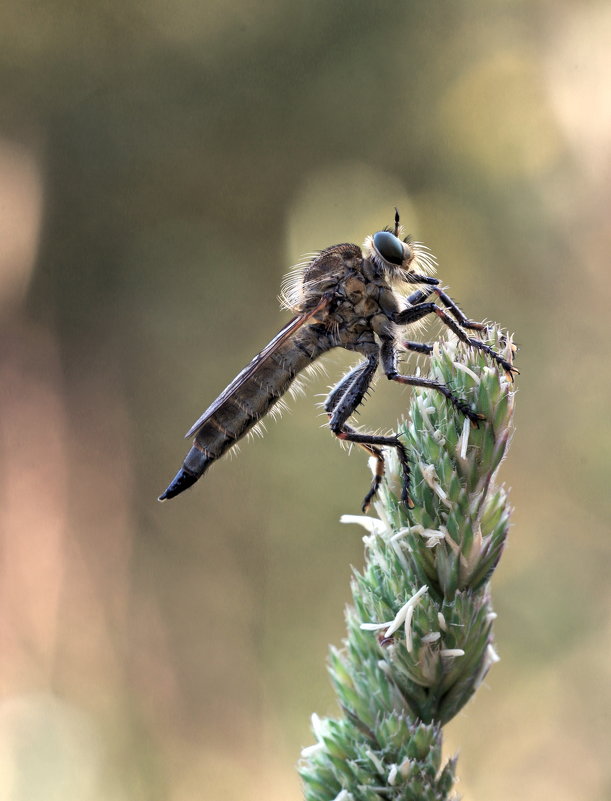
x,y
419,637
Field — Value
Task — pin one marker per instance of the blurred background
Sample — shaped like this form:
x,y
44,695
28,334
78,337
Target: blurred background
x,y
161,166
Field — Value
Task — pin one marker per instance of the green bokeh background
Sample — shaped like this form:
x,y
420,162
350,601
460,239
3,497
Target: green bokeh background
x,y
161,166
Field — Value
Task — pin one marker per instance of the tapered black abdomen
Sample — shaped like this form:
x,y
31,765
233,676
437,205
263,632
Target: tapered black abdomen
x,y
247,404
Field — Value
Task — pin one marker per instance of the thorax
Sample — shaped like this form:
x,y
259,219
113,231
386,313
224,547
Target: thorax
x,y
360,299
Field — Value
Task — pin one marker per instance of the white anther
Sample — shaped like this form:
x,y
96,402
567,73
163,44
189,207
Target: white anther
x,y
409,642
371,524
466,370
430,477
464,438
392,625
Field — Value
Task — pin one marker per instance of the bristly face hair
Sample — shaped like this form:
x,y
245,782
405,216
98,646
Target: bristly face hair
x,y
400,268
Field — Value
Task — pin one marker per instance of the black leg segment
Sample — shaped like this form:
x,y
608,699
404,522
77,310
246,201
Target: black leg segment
x,y
341,403
418,296
389,363
415,313
457,312
418,347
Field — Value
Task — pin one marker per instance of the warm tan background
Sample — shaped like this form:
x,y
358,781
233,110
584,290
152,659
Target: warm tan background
x,y
161,165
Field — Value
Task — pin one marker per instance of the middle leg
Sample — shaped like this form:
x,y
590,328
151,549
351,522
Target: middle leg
x,y
389,364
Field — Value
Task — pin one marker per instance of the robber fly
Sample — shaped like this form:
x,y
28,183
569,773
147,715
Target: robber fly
x,y
344,297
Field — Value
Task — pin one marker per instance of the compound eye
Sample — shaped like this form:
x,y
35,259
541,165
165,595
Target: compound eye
x,y
389,247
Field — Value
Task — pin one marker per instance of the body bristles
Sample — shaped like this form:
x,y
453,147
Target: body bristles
x,y
278,409
292,293
258,430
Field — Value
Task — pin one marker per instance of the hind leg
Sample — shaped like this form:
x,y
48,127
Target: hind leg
x,y
341,403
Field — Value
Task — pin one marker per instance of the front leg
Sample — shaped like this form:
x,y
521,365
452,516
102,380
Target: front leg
x,y
389,364
418,347
414,313
419,296
457,312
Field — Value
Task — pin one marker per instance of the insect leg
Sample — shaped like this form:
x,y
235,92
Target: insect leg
x,y
415,299
478,344
373,443
419,296
418,347
414,313
457,312
340,406
389,364
341,387
333,399
415,278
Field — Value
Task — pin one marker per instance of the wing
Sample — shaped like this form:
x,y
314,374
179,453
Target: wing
x,y
281,337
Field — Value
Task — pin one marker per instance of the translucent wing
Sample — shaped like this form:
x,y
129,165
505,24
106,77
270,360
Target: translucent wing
x,y
282,335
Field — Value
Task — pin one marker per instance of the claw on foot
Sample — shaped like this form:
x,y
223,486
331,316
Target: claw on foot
x,y
406,499
365,507
476,418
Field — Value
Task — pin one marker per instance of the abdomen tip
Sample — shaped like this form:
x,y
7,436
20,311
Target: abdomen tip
x,y
181,481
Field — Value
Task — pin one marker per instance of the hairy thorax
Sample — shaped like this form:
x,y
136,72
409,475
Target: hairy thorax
x,y
362,301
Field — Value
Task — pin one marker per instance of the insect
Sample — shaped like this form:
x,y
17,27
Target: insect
x,y
344,297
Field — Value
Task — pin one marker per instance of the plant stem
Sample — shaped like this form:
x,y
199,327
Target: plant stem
x,y
419,638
